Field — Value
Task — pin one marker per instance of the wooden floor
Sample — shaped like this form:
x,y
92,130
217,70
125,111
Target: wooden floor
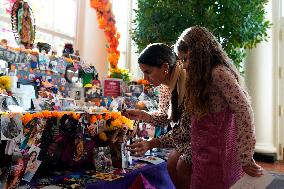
x,y
277,166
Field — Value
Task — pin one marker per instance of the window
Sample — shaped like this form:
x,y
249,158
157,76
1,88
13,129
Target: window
x,y
55,21
282,8
121,12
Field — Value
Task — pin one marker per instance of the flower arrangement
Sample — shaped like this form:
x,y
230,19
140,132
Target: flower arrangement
x,y
120,73
5,82
115,122
106,22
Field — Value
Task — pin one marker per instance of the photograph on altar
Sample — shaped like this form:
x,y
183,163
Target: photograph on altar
x,y
42,103
136,90
102,159
92,92
77,94
32,164
11,56
3,53
11,127
15,173
146,130
36,132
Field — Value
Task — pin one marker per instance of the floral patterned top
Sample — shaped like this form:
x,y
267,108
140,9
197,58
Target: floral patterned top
x,y
161,117
225,92
179,136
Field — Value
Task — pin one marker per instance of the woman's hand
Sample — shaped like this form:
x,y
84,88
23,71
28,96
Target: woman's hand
x,y
137,115
253,170
139,147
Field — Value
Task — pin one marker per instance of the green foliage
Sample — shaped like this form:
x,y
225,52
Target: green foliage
x,y
237,24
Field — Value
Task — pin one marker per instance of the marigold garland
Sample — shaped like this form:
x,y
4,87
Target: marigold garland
x,y
27,117
107,22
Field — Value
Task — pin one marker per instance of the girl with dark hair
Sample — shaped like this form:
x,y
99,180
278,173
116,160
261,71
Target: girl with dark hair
x,y
159,64
222,128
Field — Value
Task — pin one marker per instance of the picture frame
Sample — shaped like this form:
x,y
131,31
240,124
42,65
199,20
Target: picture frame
x,y
3,52
11,127
136,90
11,56
77,94
111,87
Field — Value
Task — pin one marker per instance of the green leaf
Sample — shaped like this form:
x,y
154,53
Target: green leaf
x,y
238,25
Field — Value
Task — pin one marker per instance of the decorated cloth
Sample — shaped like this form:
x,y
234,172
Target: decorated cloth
x,y
157,176
141,183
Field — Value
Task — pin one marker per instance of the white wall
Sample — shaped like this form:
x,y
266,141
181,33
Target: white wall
x,y
259,79
91,41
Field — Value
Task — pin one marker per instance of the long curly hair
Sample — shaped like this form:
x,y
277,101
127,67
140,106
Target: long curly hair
x,y
205,53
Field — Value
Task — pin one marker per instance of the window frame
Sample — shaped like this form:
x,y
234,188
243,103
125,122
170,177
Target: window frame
x,y
52,31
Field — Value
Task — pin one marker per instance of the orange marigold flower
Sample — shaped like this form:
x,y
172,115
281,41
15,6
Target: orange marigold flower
x,y
93,119
107,116
99,117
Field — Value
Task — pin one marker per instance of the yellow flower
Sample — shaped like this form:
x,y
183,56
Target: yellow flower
x,y
5,82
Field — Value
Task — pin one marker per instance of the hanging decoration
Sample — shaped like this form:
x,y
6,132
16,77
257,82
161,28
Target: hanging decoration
x,y
107,22
23,23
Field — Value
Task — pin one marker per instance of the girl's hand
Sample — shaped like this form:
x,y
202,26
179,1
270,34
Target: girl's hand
x,y
137,115
139,147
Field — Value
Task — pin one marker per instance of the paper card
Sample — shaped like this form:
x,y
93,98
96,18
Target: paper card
x,y
150,159
111,87
248,182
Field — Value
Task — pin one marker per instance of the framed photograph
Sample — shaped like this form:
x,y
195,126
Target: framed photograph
x,y
103,161
77,94
3,52
32,164
67,103
146,130
53,65
106,101
22,58
136,90
92,92
11,127
111,87
15,173
11,56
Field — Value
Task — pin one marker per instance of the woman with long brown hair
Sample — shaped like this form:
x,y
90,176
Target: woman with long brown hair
x,y
223,132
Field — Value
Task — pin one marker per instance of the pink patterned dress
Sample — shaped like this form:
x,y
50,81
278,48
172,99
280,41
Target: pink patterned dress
x,y
222,141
